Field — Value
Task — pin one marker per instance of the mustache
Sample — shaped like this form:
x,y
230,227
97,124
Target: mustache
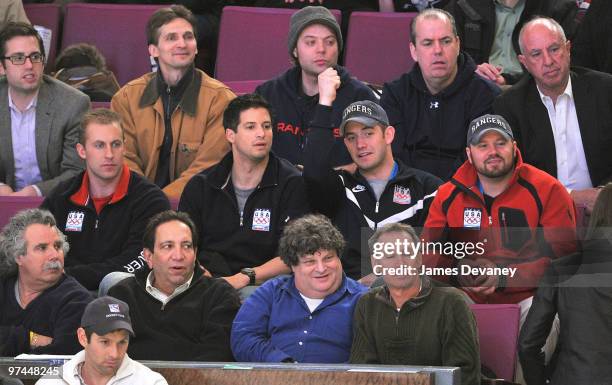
x,y
494,157
53,265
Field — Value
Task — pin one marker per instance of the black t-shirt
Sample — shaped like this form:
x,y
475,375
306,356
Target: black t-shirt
x,y
488,202
171,97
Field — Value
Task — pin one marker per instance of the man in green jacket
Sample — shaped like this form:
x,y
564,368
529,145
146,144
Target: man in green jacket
x,y
409,320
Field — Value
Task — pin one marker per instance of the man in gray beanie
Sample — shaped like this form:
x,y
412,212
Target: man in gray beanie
x,y
316,90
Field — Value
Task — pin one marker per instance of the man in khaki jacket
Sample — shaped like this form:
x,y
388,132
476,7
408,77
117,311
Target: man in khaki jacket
x,y
173,117
12,10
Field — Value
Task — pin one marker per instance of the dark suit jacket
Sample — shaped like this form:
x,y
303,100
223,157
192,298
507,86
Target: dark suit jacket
x,y
58,113
523,109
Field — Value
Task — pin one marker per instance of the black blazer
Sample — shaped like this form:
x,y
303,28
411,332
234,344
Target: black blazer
x,y
523,109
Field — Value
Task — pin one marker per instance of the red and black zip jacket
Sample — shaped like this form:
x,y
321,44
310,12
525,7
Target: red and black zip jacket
x,y
530,223
109,239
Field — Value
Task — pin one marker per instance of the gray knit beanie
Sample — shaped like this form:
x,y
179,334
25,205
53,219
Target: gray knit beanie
x,y
308,16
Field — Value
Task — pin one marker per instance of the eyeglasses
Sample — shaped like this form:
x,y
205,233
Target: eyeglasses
x,y
19,58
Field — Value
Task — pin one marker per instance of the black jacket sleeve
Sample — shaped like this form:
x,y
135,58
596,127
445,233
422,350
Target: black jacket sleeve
x,y
294,201
322,182
536,328
430,189
393,107
214,339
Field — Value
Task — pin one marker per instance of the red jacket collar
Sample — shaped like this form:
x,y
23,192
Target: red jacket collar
x,y
81,196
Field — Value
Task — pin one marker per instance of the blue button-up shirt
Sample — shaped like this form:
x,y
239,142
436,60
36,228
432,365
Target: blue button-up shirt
x,y
23,134
275,324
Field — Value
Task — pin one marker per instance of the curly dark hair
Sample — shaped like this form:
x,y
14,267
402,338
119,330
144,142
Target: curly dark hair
x,y
306,235
81,54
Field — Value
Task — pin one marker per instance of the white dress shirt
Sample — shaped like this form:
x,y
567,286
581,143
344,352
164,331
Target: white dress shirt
x,y
160,295
572,169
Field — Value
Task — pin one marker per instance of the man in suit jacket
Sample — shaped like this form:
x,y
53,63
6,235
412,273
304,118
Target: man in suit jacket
x,y
39,117
489,31
562,116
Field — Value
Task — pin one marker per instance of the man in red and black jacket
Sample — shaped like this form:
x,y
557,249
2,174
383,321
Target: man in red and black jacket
x,y
104,210
498,221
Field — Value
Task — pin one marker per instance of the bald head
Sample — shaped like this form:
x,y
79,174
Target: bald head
x,y
536,25
545,53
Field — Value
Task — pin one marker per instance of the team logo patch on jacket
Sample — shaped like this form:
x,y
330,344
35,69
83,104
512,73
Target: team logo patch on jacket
x,y
261,220
74,221
472,217
358,188
401,195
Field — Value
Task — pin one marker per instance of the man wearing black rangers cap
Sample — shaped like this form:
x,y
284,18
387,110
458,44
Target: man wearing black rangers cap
x,y
104,334
381,190
522,216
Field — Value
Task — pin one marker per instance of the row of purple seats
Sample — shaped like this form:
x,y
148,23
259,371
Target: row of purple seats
x,y
253,44
118,30
10,206
252,41
377,46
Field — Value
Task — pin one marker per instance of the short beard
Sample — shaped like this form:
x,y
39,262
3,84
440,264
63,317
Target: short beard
x,y
496,174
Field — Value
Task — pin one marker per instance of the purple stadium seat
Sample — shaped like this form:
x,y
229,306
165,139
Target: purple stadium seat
x,y
117,30
9,206
253,43
377,46
498,329
48,16
242,87
96,105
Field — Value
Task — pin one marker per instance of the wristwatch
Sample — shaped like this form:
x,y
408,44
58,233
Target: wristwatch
x,y
249,273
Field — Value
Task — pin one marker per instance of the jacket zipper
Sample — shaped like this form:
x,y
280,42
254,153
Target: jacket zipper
x,y
503,218
169,102
245,205
397,314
